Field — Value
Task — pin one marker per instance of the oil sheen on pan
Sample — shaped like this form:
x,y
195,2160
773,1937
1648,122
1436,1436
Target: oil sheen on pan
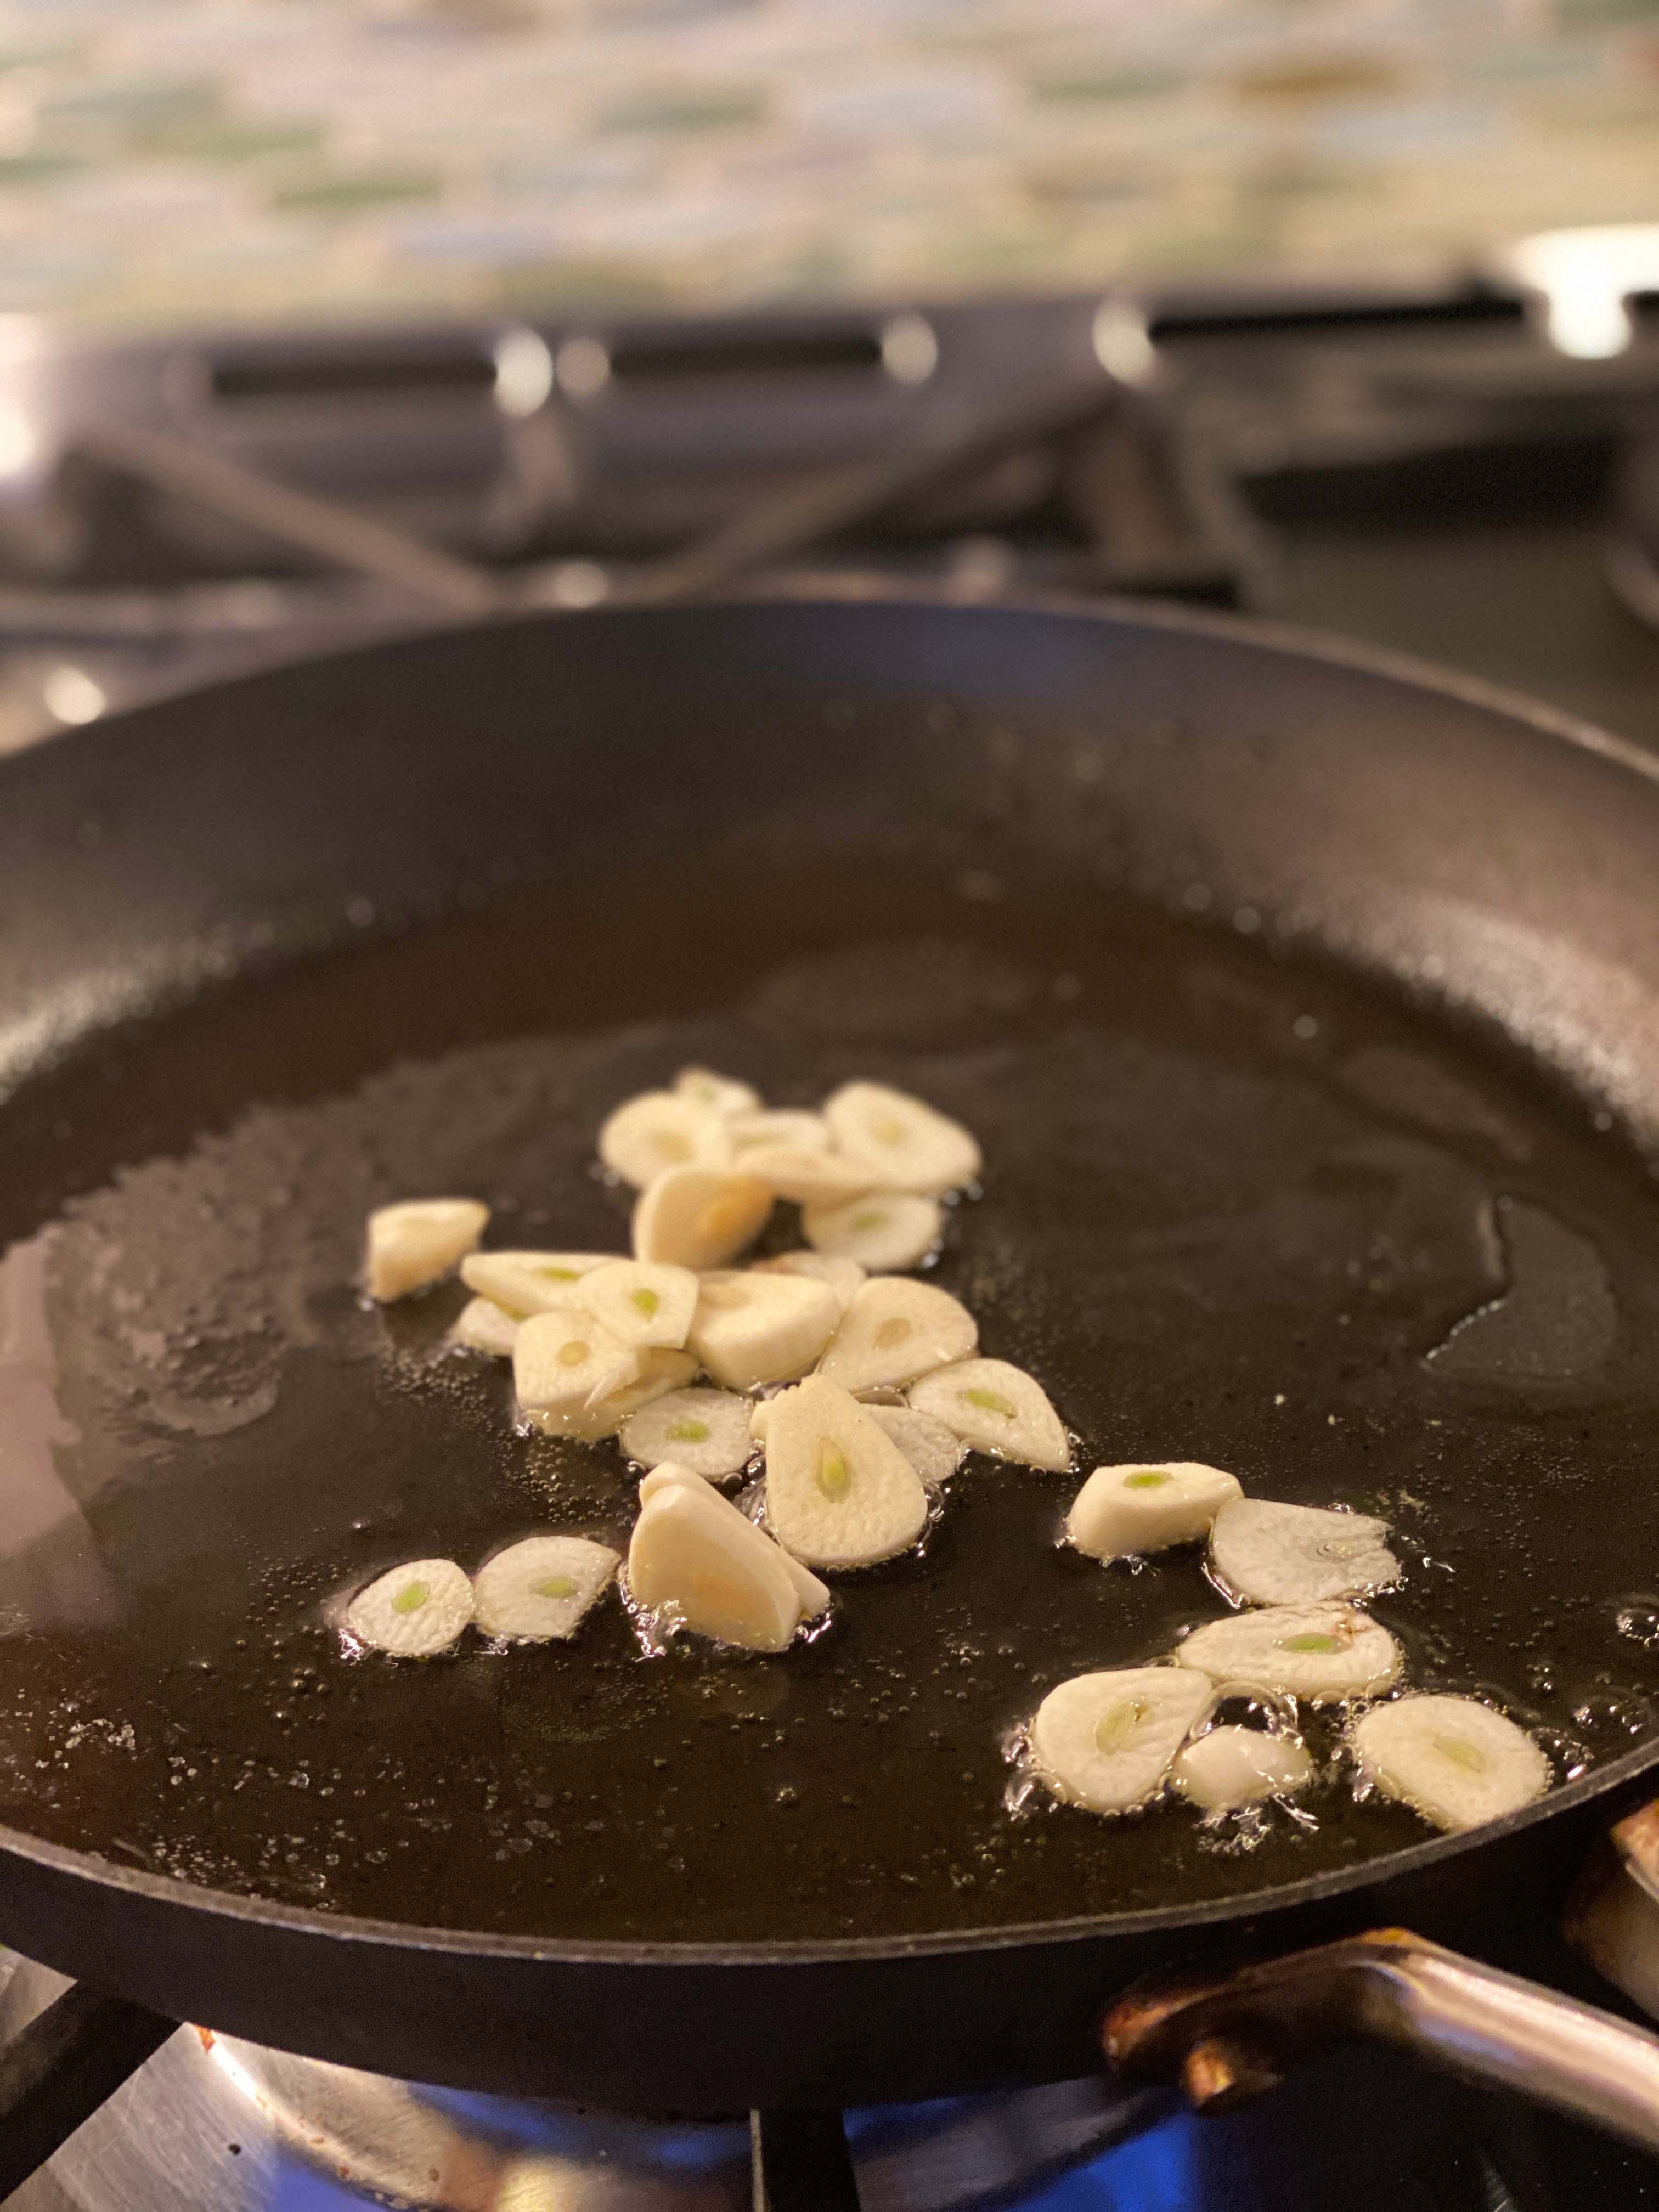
x,y
1236,1210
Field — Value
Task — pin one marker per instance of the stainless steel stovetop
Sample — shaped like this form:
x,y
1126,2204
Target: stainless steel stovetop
x,y
1424,473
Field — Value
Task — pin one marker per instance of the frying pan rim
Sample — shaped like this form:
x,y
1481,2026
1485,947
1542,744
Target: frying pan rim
x,y
307,1924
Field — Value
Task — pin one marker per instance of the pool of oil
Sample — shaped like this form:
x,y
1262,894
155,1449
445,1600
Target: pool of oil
x,y
1234,1209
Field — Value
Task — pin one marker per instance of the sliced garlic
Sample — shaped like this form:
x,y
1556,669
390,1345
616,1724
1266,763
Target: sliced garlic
x,y
930,1448
782,1125
659,1373
482,1325
722,1094
414,1243
1123,1510
1453,1760
706,1431
699,1217
1230,1766
895,1331
540,1589
657,1130
805,1176
883,1231
414,1612
1106,1742
1323,1653
996,1409
642,1301
530,1282
908,1146
695,1553
839,1491
751,1329
566,1365
1270,1553
813,1595
844,1276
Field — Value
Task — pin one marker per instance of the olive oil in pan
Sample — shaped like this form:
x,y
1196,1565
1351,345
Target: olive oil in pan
x,y
1234,1210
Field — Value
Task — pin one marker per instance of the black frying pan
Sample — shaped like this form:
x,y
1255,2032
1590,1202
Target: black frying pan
x,y
1282,987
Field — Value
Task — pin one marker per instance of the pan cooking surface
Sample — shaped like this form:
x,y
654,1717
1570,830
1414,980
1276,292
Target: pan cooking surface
x,y
1234,1211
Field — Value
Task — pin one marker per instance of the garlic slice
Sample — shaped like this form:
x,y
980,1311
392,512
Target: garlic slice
x,y
1269,1553
642,1301
1453,1760
722,1094
530,1282
1323,1653
659,1373
1107,1741
412,1244
929,1446
805,1176
839,1491
693,1552
996,1408
895,1331
908,1146
1122,1511
813,1595
844,1276
884,1230
1229,1766
780,1125
699,1217
706,1431
657,1130
566,1365
482,1325
541,1589
415,1611
751,1329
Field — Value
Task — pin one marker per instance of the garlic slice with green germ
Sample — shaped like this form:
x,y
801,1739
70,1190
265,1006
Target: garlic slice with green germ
x,y
884,1231
530,1282
414,1612
1230,1766
722,1094
1324,1653
694,1553
482,1325
413,1243
895,1331
805,1176
996,1408
1107,1741
565,1364
751,1328
909,1145
658,1130
1453,1760
699,1217
1266,1552
1124,1510
642,1301
780,1125
706,1431
659,1372
540,1589
839,1491
844,1276
930,1448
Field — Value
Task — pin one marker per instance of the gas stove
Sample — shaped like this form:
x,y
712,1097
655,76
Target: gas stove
x,y
211,2124
1432,473
1438,471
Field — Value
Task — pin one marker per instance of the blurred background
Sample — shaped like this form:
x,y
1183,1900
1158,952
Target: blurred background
x,y
323,316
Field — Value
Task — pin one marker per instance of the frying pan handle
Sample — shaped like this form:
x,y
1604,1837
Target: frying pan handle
x,y
1229,2038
